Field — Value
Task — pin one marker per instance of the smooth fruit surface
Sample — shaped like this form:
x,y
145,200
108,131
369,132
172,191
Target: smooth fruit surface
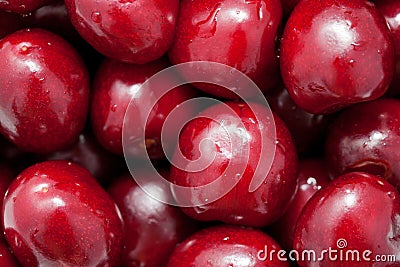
x,y
152,228
22,6
225,246
366,138
358,212
44,89
328,50
225,140
56,213
130,31
240,34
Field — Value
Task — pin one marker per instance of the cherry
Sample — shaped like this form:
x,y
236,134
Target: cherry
x,y
240,34
307,128
224,140
152,228
56,213
391,11
313,176
366,138
10,22
7,175
7,259
45,91
225,245
328,50
288,6
358,212
115,85
22,6
89,154
131,31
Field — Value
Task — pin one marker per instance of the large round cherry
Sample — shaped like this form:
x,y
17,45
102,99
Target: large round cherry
x,y
240,34
336,53
152,228
131,31
44,89
55,213
7,259
115,86
356,212
234,143
223,246
366,138
313,175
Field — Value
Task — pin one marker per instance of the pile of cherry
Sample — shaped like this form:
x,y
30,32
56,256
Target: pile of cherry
x,y
329,69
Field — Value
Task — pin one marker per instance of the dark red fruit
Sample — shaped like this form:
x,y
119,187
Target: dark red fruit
x,y
116,84
131,31
56,213
240,34
367,138
225,140
22,6
7,259
335,53
10,22
152,228
288,6
313,175
355,212
307,129
44,89
226,246
391,11
7,175
90,155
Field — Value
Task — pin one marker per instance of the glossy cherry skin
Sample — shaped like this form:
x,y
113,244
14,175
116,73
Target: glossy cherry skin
x,y
226,147
130,31
225,246
391,10
240,34
115,85
56,213
327,55
313,175
22,6
152,228
306,128
45,91
10,22
366,138
357,207
88,153
7,259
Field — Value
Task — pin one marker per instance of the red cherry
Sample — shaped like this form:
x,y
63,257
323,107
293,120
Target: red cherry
x,y
307,128
7,259
357,212
226,246
288,6
328,50
367,138
240,34
131,31
45,91
9,23
115,85
313,175
90,155
229,139
22,6
55,213
152,228
391,11
7,175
